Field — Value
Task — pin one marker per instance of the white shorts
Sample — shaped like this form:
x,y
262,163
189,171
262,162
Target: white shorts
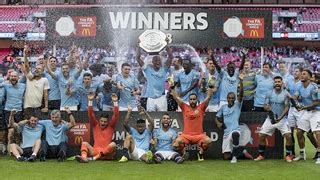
x,y
293,116
106,107
157,104
167,155
268,128
221,103
227,144
136,154
315,121
309,120
72,108
126,109
213,108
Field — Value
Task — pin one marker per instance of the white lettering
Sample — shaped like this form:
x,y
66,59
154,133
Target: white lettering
x,y
119,20
175,20
144,22
161,22
214,136
202,18
156,123
133,20
188,21
157,20
175,124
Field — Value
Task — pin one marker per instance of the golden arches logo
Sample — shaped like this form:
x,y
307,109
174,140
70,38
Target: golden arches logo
x,y
254,33
86,32
78,140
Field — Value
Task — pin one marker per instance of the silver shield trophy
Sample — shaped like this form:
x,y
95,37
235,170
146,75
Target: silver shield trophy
x,y
153,41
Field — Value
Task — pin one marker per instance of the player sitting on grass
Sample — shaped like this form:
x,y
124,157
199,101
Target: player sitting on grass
x,y
163,141
31,138
55,144
136,145
103,130
227,118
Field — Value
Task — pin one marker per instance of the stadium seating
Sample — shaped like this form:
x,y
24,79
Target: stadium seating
x,y
16,14
16,27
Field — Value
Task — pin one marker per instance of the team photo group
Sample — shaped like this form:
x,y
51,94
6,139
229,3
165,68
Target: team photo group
x,y
170,83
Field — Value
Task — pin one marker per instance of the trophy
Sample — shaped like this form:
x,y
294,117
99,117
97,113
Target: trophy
x,y
153,41
170,81
211,81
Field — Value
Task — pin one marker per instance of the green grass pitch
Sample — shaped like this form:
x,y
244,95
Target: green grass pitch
x,y
194,170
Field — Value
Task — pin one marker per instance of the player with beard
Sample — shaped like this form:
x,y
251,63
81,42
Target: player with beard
x,y
14,95
103,130
307,95
31,138
36,88
193,115
156,75
136,146
294,114
277,104
163,141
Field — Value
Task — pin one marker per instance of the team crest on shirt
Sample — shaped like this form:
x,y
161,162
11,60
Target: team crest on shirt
x,y
196,111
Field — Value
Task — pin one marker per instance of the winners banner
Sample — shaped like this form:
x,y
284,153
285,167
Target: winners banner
x,y
250,127
197,27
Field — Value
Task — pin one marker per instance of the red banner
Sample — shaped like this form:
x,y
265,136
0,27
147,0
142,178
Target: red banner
x,y
86,26
78,134
255,129
253,27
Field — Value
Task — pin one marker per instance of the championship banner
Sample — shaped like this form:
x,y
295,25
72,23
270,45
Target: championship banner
x,y
78,134
250,123
244,27
81,26
85,26
197,27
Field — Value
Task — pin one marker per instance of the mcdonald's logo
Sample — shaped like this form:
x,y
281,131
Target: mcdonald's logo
x,y
78,140
254,33
86,32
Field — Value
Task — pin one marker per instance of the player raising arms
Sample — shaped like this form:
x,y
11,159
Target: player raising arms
x,y
193,115
103,130
136,145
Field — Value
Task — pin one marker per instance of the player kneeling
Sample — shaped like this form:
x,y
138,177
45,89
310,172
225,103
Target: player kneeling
x,y
227,118
163,141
